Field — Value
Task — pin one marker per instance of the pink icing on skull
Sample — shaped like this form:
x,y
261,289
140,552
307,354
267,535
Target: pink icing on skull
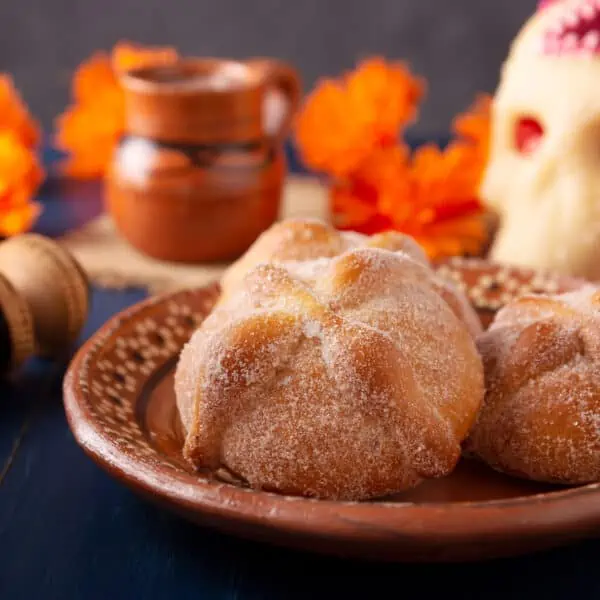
x,y
542,4
575,29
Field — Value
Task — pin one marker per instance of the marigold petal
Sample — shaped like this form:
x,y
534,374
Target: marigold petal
x,y
474,129
343,122
19,219
92,78
15,116
463,235
329,138
475,124
20,177
387,93
385,165
89,130
16,160
127,55
351,206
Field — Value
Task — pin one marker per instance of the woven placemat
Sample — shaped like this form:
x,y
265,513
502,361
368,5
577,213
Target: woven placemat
x,y
110,262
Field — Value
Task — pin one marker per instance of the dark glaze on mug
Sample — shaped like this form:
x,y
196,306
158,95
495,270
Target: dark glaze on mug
x,y
197,176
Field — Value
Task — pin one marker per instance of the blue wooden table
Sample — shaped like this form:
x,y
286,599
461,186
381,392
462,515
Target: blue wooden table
x,y
69,531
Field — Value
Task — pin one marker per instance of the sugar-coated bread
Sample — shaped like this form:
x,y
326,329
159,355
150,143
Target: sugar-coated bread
x,y
308,239
296,240
541,415
340,378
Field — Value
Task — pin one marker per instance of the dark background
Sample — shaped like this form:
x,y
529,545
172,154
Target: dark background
x,y
458,45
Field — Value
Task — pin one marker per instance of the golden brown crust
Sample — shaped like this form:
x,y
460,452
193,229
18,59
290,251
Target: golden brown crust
x,y
305,240
344,378
541,415
309,239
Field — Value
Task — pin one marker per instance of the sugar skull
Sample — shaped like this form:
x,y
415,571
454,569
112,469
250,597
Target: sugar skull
x,y
543,177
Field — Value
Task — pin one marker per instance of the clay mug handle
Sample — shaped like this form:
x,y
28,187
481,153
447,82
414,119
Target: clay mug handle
x,y
284,80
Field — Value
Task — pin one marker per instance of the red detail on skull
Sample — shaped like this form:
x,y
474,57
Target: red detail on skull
x,y
542,4
528,135
576,29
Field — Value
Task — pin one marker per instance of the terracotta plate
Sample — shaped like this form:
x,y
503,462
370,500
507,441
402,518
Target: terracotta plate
x,y
120,405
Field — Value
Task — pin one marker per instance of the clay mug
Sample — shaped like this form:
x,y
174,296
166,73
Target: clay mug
x,y
199,172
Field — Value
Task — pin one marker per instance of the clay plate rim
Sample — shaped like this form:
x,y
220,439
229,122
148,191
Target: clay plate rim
x,y
572,512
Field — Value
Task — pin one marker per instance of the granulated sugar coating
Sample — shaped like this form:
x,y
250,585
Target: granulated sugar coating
x,y
541,415
344,378
300,240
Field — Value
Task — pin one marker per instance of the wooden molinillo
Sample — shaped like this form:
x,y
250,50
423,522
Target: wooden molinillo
x,y
44,300
17,341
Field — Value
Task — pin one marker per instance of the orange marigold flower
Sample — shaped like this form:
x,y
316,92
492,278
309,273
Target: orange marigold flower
x,y
358,201
343,122
444,186
14,115
431,197
89,129
20,171
20,177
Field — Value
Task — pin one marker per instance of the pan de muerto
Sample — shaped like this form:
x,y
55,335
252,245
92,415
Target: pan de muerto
x,y
340,378
541,415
